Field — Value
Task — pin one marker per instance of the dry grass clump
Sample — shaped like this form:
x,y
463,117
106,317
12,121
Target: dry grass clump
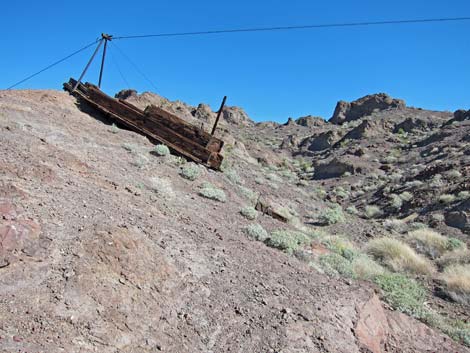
x,y
429,242
457,280
365,268
398,256
459,256
372,211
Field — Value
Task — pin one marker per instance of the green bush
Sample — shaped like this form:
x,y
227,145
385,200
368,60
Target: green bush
x,y
402,293
340,246
334,264
190,171
257,232
209,191
332,215
249,212
161,150
287,240
365,268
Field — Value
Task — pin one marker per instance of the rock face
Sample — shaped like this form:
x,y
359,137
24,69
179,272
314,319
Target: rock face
x,y
348,111
320,142
459,115
236,116
332,169
290,142
414,124
311,121
126,93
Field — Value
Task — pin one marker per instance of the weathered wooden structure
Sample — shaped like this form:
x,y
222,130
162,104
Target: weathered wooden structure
x,y
155,123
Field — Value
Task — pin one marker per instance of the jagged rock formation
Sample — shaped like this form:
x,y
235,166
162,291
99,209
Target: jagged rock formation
x,y
311,121
348,111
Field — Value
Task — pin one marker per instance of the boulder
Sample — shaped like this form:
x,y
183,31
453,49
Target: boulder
x,y
414,124
236,116
126,93
290,142
332,169
346,111
310,121
459,115
320,142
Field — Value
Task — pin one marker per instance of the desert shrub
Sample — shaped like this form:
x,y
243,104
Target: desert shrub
x,y
459,256
396,225
398,256
190,171
340,246
413,183
463,195
406,196
454,244
332,215
209,191
162,187
341,192
365,268
161,150
352,210
320,192
372,211
456,329
249,212
457,281
114,129
430,243
447,198
232,176
274,178
334,264
453,174
402,293
396,202
418,225
257,232
287,240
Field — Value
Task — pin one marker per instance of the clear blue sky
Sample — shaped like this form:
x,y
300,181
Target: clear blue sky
x,y
273,75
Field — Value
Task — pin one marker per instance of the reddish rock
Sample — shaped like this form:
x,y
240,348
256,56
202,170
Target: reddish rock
x,y
371,328
7,210
16,238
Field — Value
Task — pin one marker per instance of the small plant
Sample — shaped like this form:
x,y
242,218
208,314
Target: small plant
x,y
365,268
352,210
398,256
463,195
430,243
372,211
114,129
232,176
402,293
447,198
209,191
406,196
453,174
162,187
256,232
190,171
340,246
341,192
396,202
460,256
287,240
332,215
457,280
161,150
249,212
334,264
396,225
248,193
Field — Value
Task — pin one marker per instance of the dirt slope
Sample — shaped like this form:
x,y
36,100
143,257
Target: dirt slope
x,y
105,248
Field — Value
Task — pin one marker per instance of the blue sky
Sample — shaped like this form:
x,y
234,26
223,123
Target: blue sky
x,y
272,75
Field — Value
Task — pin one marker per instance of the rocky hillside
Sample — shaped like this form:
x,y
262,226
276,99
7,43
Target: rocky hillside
x,y
111,244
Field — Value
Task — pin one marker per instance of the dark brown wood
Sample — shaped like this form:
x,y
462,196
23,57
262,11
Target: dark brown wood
x,y
181,139
218,115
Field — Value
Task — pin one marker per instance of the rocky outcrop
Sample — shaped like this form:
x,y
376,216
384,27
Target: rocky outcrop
x,y
126,93
290,142
320,142
311,121
348,111
414,124
334,168
459,115
236,116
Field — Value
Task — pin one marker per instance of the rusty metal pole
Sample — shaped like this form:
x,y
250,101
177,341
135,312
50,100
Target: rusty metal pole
x,y
88,65
106,37
218,115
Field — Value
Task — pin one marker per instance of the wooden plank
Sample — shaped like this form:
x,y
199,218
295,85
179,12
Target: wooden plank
x,y
184,128
135,119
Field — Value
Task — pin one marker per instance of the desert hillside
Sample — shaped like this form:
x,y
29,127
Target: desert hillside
x,y
109,243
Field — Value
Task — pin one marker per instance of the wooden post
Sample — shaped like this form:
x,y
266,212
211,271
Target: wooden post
x,y
218,115
88,65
